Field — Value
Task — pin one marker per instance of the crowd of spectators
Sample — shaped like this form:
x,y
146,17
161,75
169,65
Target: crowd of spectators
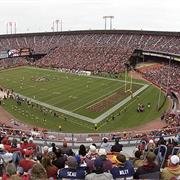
x,y
43,43
90,58
22,158
12,62
166,76
93,51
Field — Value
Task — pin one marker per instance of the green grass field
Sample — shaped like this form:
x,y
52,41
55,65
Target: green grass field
x,y
78,94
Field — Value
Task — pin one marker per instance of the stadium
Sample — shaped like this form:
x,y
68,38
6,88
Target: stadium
x,y
85,78
63,90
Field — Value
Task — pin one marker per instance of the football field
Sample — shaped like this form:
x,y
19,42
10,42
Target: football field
x,y
89,98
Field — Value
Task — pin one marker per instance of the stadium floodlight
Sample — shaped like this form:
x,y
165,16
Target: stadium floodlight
x,y
57,24
105,21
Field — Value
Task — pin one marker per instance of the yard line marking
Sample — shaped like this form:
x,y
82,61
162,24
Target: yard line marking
x,y
109,93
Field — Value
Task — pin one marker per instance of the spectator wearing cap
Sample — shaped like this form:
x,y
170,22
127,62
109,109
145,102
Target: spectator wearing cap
x,y
71,170
106,145
49,167
172,171
116,147
123,168
26,163
45,150
31,144
2,151
107,164
99,173
92,153
151,145
149,166
91,156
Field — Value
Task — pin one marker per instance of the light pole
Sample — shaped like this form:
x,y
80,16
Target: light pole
x,y
110,21
57,24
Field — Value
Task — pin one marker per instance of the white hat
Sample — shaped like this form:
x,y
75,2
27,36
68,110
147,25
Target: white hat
x,y
2,146
151,141
50,149
102,151
92,148
45,148
31,139
174,159
8,157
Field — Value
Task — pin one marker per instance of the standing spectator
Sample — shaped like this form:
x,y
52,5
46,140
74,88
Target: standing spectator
x,y
123,168
99,173
173,169
116,147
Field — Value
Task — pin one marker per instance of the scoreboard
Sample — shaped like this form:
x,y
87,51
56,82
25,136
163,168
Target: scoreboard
x,y
19,52
15,53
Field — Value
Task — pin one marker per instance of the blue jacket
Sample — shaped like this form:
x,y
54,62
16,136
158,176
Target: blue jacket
x,y
123,171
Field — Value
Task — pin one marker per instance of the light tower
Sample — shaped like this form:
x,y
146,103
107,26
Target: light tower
x,y
110,21
57,24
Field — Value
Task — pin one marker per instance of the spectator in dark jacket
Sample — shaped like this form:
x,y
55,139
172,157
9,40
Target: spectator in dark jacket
x,y
148,167
116,147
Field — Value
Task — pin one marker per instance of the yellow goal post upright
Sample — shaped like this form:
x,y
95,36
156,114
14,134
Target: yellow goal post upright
x,y
127,84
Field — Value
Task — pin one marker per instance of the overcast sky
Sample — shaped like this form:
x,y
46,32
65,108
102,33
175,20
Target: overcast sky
x,y
38,15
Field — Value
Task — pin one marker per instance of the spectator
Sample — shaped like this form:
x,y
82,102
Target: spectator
x,y
116,147
38,172
107,164
106,145
148,167
99,173
10,173
138,161
82,150
59,162
123,168
66,150
151,145
27,162
172,171
49,167
71,171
